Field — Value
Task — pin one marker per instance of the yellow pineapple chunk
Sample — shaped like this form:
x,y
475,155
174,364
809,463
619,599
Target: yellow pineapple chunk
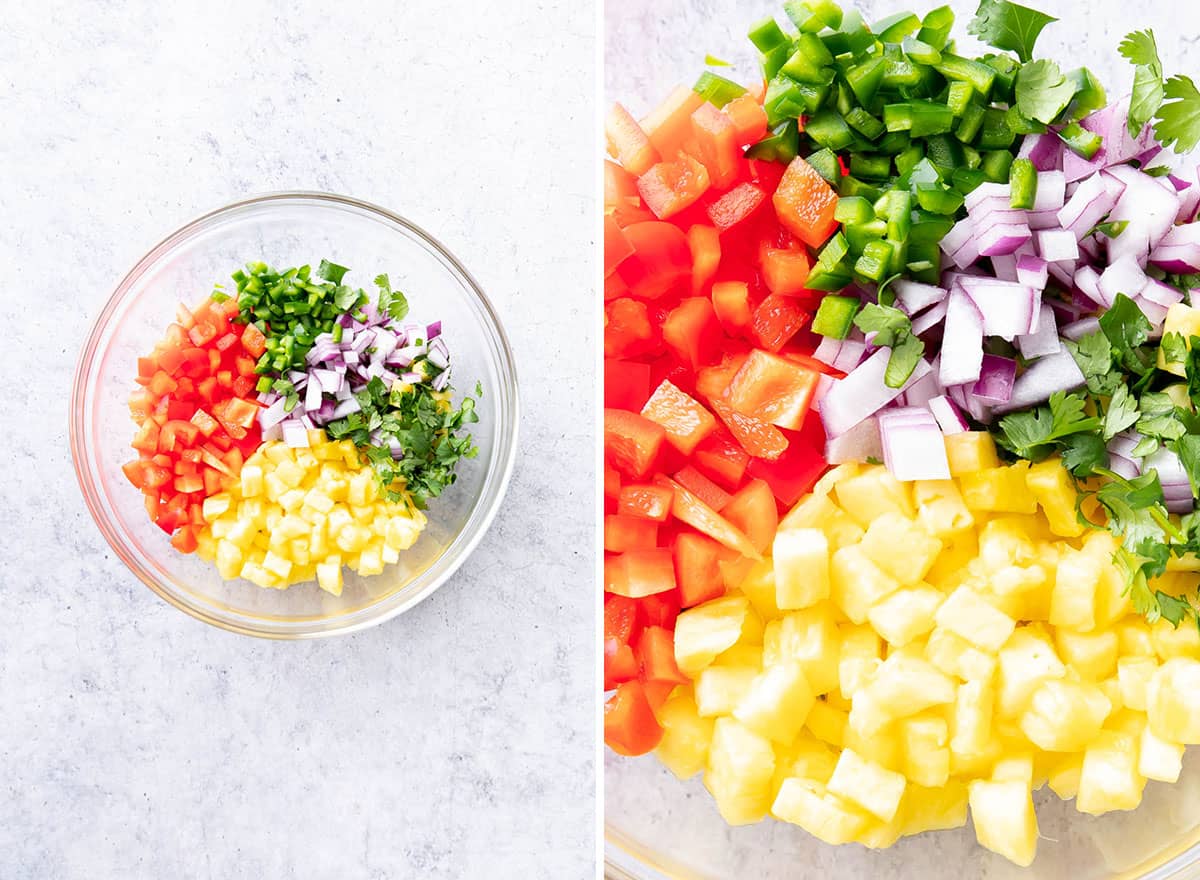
x,y
972,719
924,742
1093,655
861,656
1184,320
940,508
686,735
903,686
867,785
811,638
955,656
778,702
1064,716
971,451
1109,779
900,547
819,512
1026,660
858,583
1063,778
806,803
741,764
703,632
719,688
1175,641
1050,485
1134,675
968,614
868,495
759,587
1158,758
998,489
801,567
827,723
905,615
1173,701
934,809
1073,602
1004,819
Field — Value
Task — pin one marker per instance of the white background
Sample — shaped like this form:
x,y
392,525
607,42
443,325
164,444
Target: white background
x,y
455,741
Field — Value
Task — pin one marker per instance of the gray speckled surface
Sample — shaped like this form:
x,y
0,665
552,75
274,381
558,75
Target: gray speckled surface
x,y
649,48
455,741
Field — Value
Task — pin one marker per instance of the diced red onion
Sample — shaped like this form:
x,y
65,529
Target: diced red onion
x,y
1008,309
1051,192
949,417
863,393
1122,466
857,444
930,318
345,408
1004,266
913,448
850,355
1056,244
312,396
1121,276
996,377
295,434
1054,372
915,296
1081,328
1089,204
273,414
827,350
1003,238
433,331
1031,271
1179,250
962,343
1045,151
1042,341
1146,207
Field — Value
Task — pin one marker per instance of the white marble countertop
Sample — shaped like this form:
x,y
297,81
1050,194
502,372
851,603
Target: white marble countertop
x,y
455,741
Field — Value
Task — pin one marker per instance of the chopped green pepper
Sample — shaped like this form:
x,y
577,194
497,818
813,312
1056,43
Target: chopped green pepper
x,y
716,89
1022,182
835,316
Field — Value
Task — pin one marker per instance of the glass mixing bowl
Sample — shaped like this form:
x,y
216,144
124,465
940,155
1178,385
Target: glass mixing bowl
x,y
289,229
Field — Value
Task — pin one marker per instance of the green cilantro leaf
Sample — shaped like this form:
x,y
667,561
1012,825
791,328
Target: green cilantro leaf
x,y
1188,450
1126,329
893,329
1033,433
1178,122
392,303
1174,348
1141,49
347,298
1082,454
1042,90
331,272
1009,26
1121,413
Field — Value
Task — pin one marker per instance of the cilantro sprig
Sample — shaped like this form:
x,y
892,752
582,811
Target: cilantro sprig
x,y
892,328
1009,26
427,428
1172,106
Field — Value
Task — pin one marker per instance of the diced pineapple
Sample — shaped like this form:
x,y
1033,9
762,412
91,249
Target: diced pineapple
x,y
1175,641
703,632
905,615
1005,542
867,785
934,809
968,614
686,736
1184,320
819,512
719,688
1133,637
759,587
972,719
801,567
1158,758
1173,701
861,656
1134,675
955,656
811,638
807,758
1112,601
1063,777
229,559
329,574
743,654
251,480
900,547
1093,655
1014,768
1026,660
924,743
1020,592
971,451
1109,779
741,765
1073,602
777,703
370,561
881,746
903,686
857,583
827,723
826,817
1004,819
868,495
1064,716
1050,485
998,489
949,568
277,565
940,508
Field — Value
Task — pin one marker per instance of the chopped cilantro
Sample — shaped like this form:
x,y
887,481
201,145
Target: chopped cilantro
x,y
892,328
1009,26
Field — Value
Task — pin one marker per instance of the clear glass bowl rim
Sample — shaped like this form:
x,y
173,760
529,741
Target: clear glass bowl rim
x,y
495,482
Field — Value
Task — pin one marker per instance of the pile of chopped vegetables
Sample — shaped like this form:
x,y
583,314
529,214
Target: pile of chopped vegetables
x,y
300,361
944,246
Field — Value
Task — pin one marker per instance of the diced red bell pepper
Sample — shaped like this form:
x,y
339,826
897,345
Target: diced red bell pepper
x,y
661,259
620,663
785,270
184,540
626,384
805,203
736,206
705,244
254,341
623,533
639,573
691,330
777,319
731,302
749,119
660,609
620,618
697,568
669,125
760,439
670,187
628,331
628,142
686,507
630,727
684,421
622,201
773,389
612,482
794,473
656,651
711,382
722,458
646,501
632,441
703,488
753,511
146,438
616,245
716,139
